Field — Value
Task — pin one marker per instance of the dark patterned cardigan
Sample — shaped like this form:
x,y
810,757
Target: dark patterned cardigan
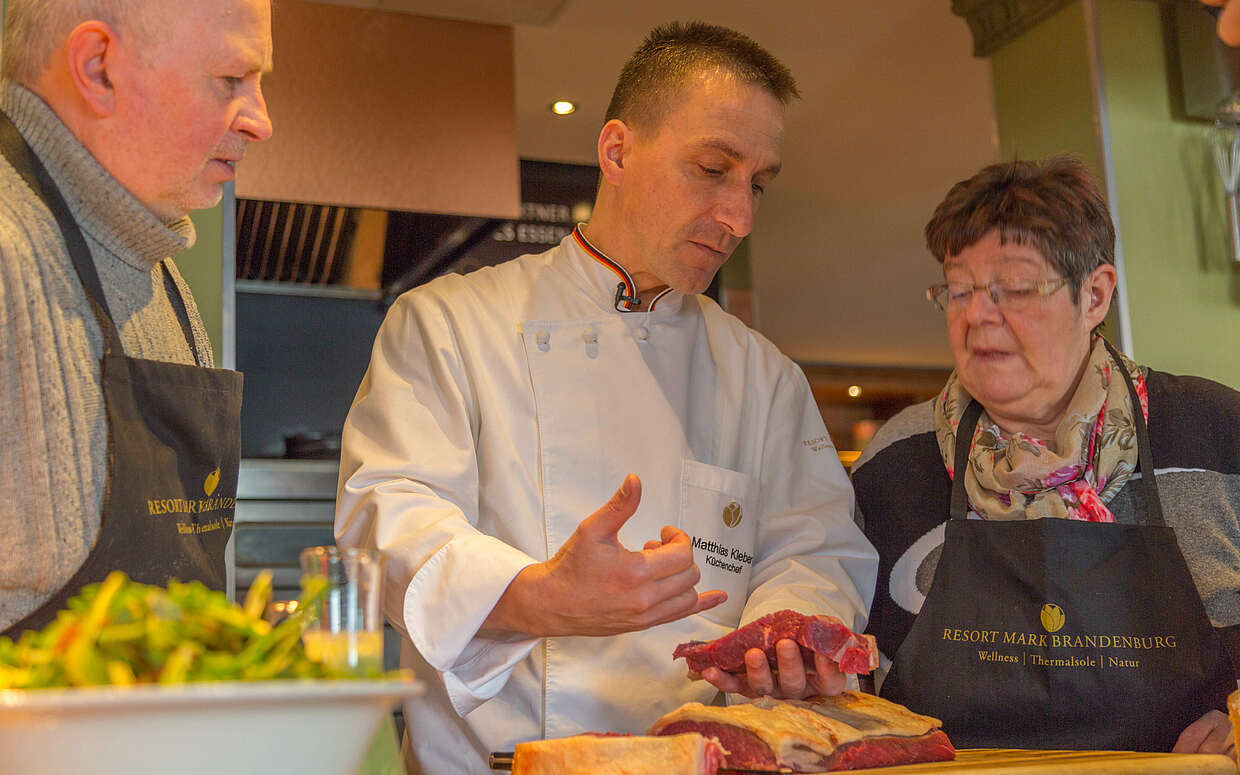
x,y
903,492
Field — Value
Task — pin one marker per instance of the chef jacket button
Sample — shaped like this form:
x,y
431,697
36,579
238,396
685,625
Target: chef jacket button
x,y
642,333
589,336
544,340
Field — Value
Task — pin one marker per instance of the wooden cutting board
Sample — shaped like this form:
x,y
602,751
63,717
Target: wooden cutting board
x,y
999,761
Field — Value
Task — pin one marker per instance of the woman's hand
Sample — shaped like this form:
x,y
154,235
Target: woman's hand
x,y
1211,733
791,682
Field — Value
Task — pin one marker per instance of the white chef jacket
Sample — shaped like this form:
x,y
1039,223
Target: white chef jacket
x,y
500,409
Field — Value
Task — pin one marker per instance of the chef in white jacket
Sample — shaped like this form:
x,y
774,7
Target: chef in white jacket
x,y
556,454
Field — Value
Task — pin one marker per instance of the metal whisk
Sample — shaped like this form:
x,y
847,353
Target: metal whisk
x,y
1225,143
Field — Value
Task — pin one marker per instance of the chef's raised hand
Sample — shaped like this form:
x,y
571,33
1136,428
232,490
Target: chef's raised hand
x,y
595,586
1212,733
789,682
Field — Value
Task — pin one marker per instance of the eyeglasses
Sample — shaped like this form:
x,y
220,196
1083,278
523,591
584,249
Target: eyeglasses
x,y
1008,295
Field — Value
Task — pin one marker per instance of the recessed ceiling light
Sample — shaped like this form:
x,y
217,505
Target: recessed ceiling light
x,y
854,391
563,107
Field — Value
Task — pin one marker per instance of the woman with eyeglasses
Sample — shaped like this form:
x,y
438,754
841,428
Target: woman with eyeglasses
x,y
1037,587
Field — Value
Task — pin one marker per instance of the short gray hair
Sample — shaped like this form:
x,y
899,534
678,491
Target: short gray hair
x,y
34,28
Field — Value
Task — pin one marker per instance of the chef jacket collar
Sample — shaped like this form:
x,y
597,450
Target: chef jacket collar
x,y
626,298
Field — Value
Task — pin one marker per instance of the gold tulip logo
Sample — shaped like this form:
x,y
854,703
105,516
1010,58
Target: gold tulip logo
x,y
1052,617
212,481
732,514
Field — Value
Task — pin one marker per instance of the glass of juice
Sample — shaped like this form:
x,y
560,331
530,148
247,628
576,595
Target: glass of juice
x,y
345,629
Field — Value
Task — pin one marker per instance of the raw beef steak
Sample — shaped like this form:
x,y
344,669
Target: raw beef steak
x,y
824,635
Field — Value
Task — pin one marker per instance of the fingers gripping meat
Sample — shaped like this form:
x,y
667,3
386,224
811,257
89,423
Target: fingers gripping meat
x,y
823,635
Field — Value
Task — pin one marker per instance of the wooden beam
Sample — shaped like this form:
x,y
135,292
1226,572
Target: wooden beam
x,y
995,23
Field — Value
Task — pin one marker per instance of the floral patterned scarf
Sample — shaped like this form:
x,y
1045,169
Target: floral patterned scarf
x,y
1015,476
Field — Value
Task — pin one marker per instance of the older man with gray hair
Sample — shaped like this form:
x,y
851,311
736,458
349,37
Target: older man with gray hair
x,y
117,117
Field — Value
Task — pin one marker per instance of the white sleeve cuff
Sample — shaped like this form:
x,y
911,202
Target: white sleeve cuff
x,y
446,603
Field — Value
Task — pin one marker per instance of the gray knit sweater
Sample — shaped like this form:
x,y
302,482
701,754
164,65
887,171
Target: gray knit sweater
x,y
53,430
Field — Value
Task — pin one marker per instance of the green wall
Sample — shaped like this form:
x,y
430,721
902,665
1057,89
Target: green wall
x,y
1181,285
1183,296
1044,103
735,272
201,266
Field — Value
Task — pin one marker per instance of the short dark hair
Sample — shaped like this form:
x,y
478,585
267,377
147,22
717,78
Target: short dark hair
x,y
673,53
1053,205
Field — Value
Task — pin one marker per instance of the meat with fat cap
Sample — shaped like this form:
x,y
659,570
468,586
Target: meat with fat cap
x,y
823,734
825,635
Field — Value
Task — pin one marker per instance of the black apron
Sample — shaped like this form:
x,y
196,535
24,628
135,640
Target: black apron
x,y
174,441
1057,633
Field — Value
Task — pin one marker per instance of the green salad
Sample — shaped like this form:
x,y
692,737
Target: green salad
x,y
119,632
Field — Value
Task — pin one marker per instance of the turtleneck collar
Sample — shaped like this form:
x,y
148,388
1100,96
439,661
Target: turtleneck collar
x,y
614,276
105,210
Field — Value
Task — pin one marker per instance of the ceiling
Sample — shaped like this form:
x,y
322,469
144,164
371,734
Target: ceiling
x,y
505,12
895,109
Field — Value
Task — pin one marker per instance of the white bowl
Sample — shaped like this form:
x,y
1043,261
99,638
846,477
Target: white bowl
x,y
225,728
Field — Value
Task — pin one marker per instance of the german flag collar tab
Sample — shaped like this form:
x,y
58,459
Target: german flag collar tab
x,y
626,299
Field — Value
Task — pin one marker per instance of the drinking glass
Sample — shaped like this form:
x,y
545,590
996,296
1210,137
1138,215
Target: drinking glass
x,y
345,630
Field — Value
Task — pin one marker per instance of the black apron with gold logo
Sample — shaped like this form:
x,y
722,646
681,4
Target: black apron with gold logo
x,y
174,442
1057,633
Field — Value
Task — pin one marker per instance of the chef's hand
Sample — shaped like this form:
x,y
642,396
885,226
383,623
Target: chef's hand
x,y
791,683
1211,733
595,586
1228,21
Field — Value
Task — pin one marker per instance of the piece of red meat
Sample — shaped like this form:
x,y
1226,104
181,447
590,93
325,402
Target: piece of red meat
x,y
746,751
888,751
820,634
